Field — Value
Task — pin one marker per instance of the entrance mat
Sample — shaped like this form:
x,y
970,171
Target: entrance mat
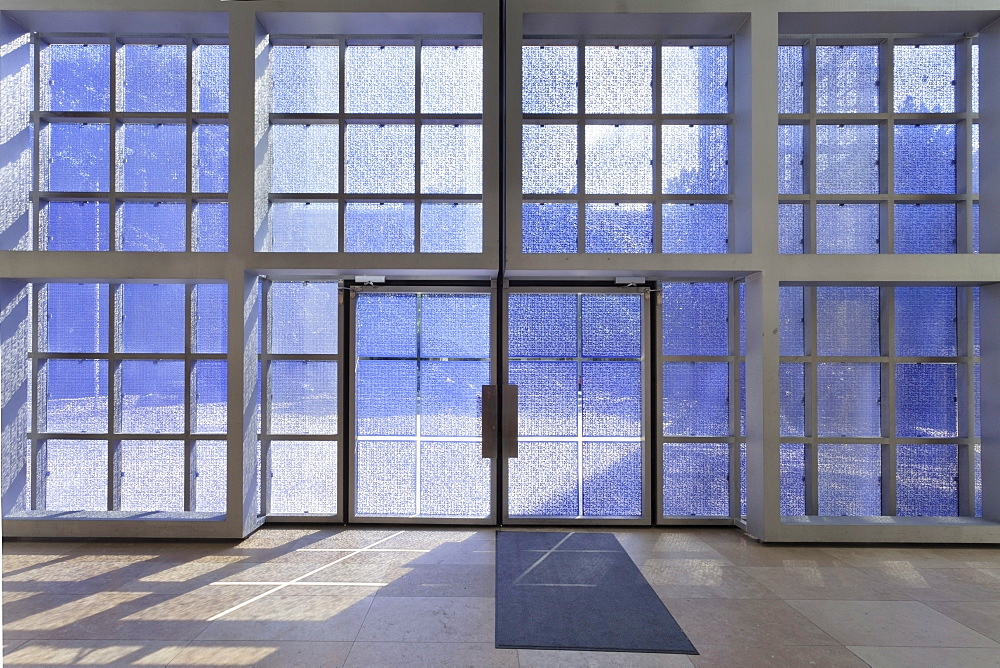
x,y
578,591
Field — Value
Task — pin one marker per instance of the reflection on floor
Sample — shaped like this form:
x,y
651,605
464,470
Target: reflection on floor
x,y
388,597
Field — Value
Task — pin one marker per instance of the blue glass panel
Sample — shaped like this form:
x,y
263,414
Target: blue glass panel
x,y
451,79
386,398
612,325
208,400
543,480
386,325
77,155
210,321
925,159
975,157
379,159
695,228
152,226
382,227
152,476
790,235
451,159
846,79
549,79
978,455
305,79
548,228
454,480
849,480
450,398
695,318
612,479
791,379
303,318
76,77
793,486
380,79
76,475
619,228
847,320
790,158
790,84
211,78
619,159
743,479
696,479
304,158
792,328
975,228
303,397
211,227
80,226
152,397
451,227
975,77
542,325
926,400
975,322
75,318
455,325
548,158
152,318
547,397
925,228
847,159
154,77
923,78
694,79
848,398
154,158
695,159
211,158
742,299
618,79
927,480
612,399
304,227
847,228
303,477
76,397
696,399
925,321
386,478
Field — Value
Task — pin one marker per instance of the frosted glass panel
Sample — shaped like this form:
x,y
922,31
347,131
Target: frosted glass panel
x,y
696,479
211,158
386,325
304,227
450,398
154,77
848,399
612,479
76,396
619,228
547,400
75,77
847,159
849,480
210,323
695,399
926,400
304,158
152,475
790,84
847,320
386,398
153,157
619,159
152,226
792,387
380,79
694,79
927,480
847,228
543,480
790,235
846,79
925,321
210,476
303,318
451,227
618,79
790,159
975,158
923,78
76,156
548,228
975,77
152,317
695,159
695,318
454,480
925,159
76,475
303,397
211,78
305,79
925,228
455,325
208,397
612,325
386,478
74,226
451,79
383,227
548,159
211,227
542,325
695,228
379,159
611,396
152,397
451,159
792,329
793,471
303,477
549,79
74,318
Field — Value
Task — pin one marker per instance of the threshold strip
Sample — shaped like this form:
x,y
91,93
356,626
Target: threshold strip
x,y
305,584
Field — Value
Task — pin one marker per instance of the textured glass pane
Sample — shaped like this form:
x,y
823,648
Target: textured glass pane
x,y
386,478
386,398
211,78
549,79
152,77
793,487
695,228
926,400
75,77
303,227
847,159
211,227
80,226
695,159
849,480
454,480
790,84
975,228
153,157
619,228
210,311
743,479
305,79
619,159
611,396
451,227
694,79
383,227
74,318
925,321
790,235
451,159
380,79
791,331
548,158
211,158
790,159
923,78
696,479
450,398
975,78
612,325
303,477
152,226
612,479
303,397
210,476
846,79
75,396
208,397
848,397
455,325
695,318
618,79
543,480
304,158
76,475
742,299
451,79
792,388
77,157
975,157
925,159
303,318
847,320
978,454
925,228
152,397
386,325
547,394
927,480
695,399
542,325
975,323
548,227
379,159
847,228
152,476
152,318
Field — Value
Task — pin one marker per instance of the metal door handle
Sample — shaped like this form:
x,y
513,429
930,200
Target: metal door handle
x,y
510,420
490,422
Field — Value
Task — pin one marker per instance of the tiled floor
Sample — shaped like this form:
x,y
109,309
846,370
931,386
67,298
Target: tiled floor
x,y
304,597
